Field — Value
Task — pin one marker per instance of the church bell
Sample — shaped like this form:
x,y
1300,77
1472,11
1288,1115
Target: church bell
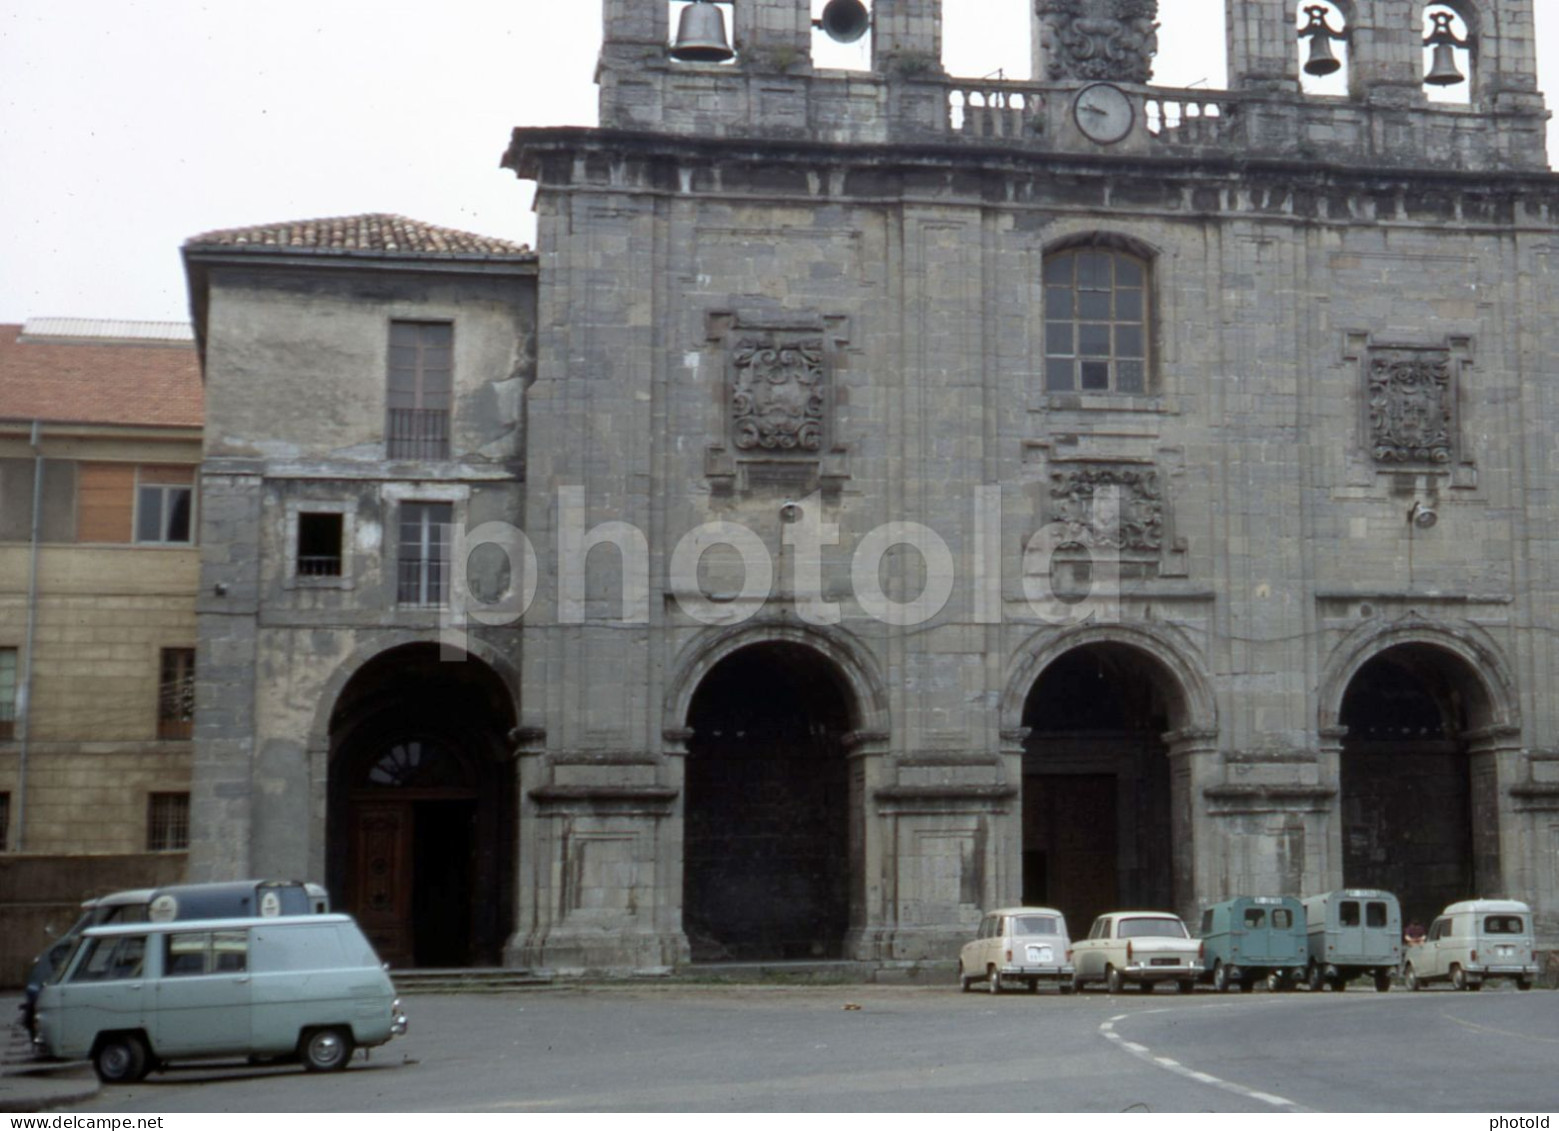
x,y
1320,34
1443,70
844,21
701,35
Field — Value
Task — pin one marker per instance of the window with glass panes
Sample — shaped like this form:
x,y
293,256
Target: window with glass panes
x,y
423,560
1096,322
421,359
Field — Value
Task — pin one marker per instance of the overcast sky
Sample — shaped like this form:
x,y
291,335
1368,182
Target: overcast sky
x,y
127,126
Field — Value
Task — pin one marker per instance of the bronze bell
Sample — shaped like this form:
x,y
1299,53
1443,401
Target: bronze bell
x,y
701,35
1443,70
1320,35
1321,61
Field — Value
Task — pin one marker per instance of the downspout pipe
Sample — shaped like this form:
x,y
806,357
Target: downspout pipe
x,y
24,692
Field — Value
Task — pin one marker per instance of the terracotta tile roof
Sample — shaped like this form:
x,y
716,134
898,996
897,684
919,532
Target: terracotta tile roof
x,y
88,378
378,233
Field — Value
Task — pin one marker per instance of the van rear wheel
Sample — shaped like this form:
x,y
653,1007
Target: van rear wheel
x,y
326,1050
121,1058
1458,977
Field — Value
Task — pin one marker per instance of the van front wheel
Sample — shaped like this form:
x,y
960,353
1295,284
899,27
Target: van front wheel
x,y
121,1058
326,1050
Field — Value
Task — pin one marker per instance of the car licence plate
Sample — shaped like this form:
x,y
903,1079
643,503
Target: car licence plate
x,y
1040,954
1165,962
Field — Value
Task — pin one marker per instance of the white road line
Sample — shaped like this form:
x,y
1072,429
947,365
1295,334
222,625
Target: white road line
x,y
1142,1052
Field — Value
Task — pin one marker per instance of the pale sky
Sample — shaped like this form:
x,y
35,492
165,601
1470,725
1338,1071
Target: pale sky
x,y
127,126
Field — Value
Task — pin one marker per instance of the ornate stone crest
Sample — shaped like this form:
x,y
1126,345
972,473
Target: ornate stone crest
x,y
1411,398
777,395
1100,39
1117,506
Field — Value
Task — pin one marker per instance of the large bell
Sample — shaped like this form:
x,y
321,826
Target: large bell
x,y
1321,61
1444,71
844,21
701,35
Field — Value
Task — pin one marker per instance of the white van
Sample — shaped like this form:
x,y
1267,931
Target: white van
x,y
139,995
1473,941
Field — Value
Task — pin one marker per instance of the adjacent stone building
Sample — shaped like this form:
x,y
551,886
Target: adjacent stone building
x,y
935,493
100,426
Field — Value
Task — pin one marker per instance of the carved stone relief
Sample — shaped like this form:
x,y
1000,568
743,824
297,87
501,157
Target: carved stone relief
x,y
778,385
1100,39
1118,506
1411,397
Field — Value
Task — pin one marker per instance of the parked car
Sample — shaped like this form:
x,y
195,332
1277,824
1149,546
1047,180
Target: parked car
x,y
1026,945
1145,947
1253,937
1471,942
228,900
140,995
1354,932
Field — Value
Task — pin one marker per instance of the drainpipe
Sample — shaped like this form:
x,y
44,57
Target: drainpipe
x,y
24,692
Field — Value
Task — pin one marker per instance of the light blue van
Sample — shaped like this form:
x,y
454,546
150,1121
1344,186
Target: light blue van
x,y
1252,937
140,995
1352,933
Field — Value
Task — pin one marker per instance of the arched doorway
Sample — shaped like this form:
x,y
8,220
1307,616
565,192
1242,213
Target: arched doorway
x,y
421,817
767,859
1407,811
1096,784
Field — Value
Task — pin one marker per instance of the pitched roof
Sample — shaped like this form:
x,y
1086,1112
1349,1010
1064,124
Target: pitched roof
x,y
377,232
99,372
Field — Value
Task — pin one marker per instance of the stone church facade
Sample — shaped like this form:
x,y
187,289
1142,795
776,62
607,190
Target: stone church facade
x,y
884,495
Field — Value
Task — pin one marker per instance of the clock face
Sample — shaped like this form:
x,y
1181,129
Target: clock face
x,y
1104,113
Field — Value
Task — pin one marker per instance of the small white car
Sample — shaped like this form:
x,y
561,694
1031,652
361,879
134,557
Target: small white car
x,y
1471,942
132,997
1018,945
1144,947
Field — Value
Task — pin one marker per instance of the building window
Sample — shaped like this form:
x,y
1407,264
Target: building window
x,y
7,693
164,508
319,544
421,360
176,694
424,553
1096,322
167,822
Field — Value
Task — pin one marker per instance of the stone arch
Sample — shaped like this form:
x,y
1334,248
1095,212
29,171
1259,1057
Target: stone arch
x,y
419,798
1194,708
1497,705
850,657
1104,238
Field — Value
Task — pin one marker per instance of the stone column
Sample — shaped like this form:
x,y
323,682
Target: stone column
x,y
907,36
1194,845
1386,41
774,29
1495,757
1263,49
1329,759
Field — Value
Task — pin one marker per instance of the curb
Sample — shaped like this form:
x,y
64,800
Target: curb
x,y
26,1088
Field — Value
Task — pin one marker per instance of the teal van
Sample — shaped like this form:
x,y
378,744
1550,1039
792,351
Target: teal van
x,y
296,987
1352,933
1252,937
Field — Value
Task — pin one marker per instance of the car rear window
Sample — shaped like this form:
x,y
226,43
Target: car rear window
x,y
1150,929
1035,925
1282,918
1375,914
1503,925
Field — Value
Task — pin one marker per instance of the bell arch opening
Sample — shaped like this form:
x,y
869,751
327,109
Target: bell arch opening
x,y
1097,817
1409,821
769,849
420,823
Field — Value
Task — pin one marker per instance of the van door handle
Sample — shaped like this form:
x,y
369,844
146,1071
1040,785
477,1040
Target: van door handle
x,y
242,980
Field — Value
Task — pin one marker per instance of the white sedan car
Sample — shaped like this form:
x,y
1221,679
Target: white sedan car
x,y
1145,947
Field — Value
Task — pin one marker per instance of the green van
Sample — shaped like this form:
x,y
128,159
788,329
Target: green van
x,y
1254,936
139,995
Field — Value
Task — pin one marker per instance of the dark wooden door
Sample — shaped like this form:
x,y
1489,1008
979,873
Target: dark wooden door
x,y
1071,845
382,877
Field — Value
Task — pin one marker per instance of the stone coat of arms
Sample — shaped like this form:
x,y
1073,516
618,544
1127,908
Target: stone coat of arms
x,y
777,395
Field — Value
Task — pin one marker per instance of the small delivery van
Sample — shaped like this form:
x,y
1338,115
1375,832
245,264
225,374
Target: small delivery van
x,y
1352,932
140,995
232,899
1250,937
1473,941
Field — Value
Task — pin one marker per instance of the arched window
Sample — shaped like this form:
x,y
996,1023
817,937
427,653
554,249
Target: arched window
x,y
1097,321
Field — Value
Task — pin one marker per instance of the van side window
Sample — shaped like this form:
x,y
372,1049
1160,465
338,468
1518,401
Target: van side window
x,y
1348,913
1438,930
112,960
1375,913
1255,917
184,955
1207,921
229,952
1503,925
1282,918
